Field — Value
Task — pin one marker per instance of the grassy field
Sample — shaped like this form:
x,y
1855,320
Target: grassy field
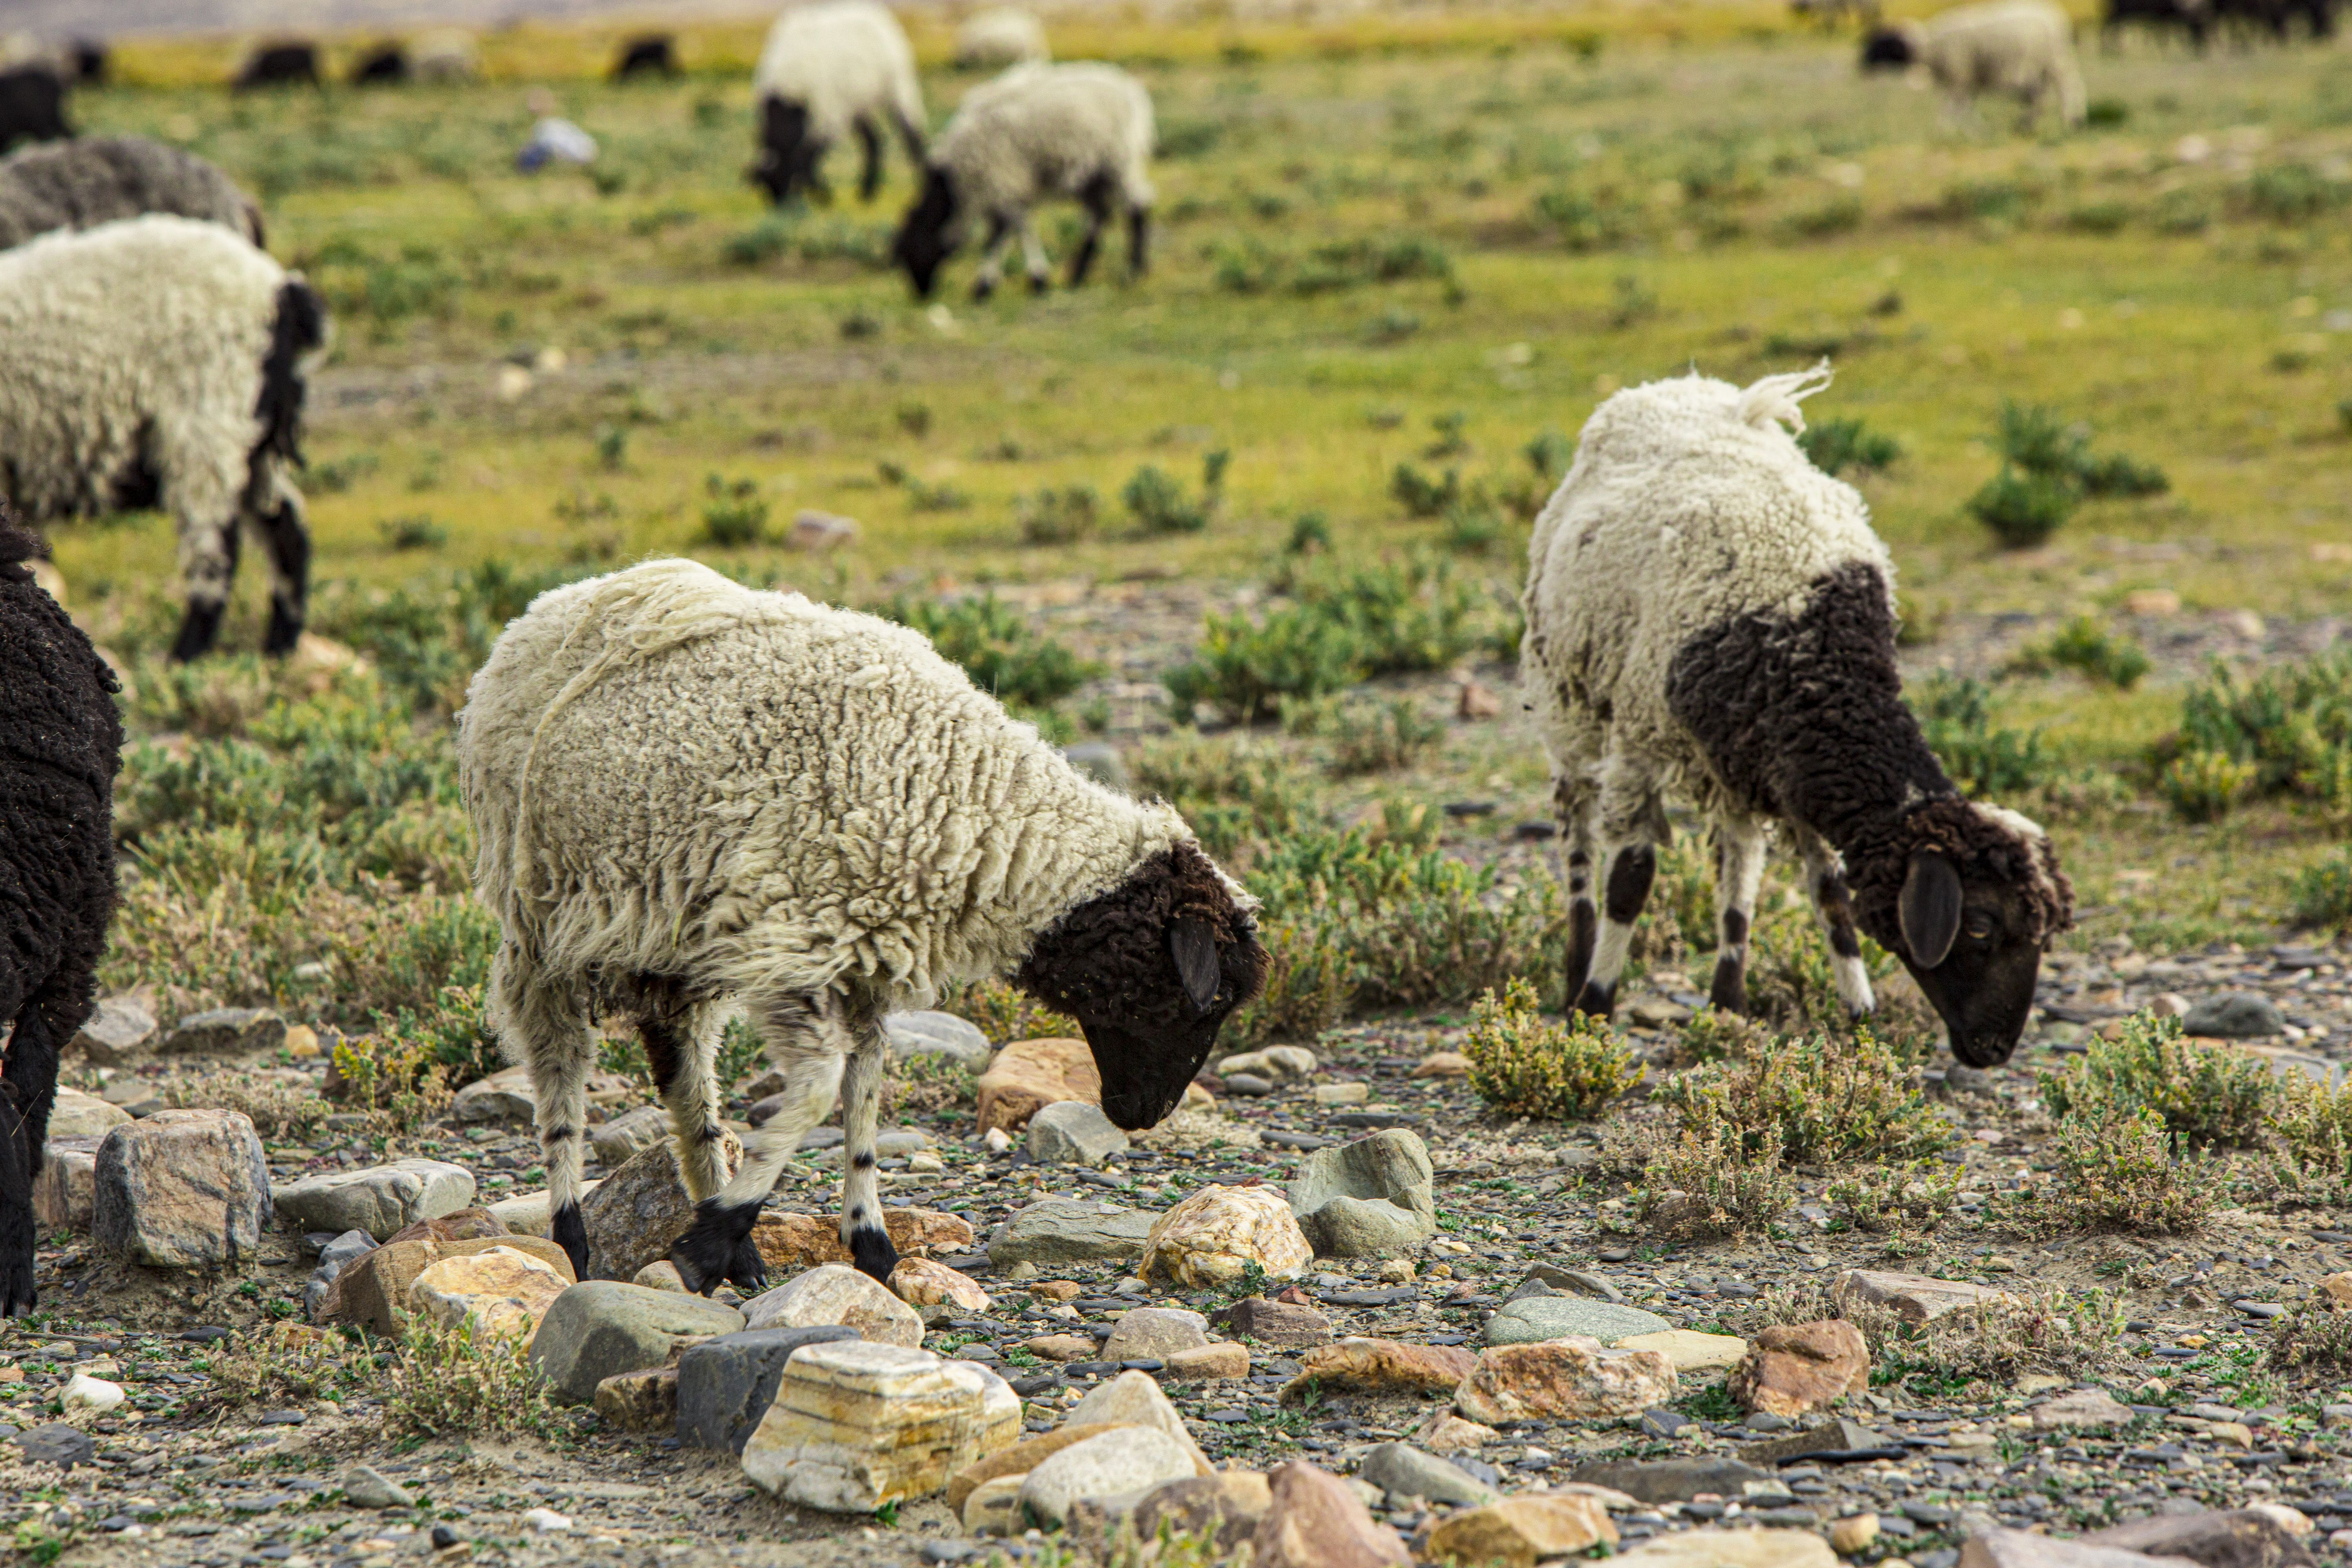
x,y
1427,243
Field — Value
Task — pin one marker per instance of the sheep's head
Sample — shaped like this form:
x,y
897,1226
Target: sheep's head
x,y
930,233
1968,896
1893,47
1150,969
788,153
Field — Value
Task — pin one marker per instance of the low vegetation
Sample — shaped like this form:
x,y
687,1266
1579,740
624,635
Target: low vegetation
x,y
1524,1064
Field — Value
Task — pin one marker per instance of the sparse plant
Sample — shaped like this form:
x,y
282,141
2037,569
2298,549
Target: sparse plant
x,y
413,531
2322,897
1819,1096
2205,787
734,512
2115,1170
2288,725
1836,445
1896,1199
2098,652
1062,516
2204,1095
1229,789
1713,1034
1955,716
920,493
461,1379
1422,496
1527,1065
1712,1184
2024,509
1309,980
1246,668
1159,505
2315,1333
1392,736
286,1364
1005,1013
997,647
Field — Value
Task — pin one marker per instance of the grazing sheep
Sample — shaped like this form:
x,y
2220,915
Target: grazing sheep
x,y
386,65
2023,49
827,72
159,361
446,57
32,106
60,740
1081,131
649,54
2193,17
89,62
290,64
98,179
1003,36
1709,614
690,793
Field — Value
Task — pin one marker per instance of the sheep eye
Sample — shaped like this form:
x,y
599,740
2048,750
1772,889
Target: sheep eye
x,y
1979,928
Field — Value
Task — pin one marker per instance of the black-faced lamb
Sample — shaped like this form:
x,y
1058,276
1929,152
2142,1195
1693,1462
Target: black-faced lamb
x,y
161,360
32,106
1710,615
829,72
98,179
689,794
293,63
1078,131
2017,48
60,741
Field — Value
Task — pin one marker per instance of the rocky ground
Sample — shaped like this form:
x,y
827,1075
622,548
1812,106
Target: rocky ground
x,y
2174,1417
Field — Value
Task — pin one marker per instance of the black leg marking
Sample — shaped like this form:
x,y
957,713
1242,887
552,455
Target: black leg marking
x,y
1599,1000
870,141
1095,195
570,1231
289,543
1138,241
1583,932
1735,928
199,629
862,1160
871,1246
1630,876
1730,991
718,1247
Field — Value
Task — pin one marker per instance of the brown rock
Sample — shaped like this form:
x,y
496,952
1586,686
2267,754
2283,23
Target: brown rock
x,y
1572,1379
1517,1530
789,1243
1914,1298
464,1225
2021,1549
1280,1323
920,1282
1057,1290
376,1283
499,1290
1029,1075
2086,1407
640,1210
65,1190
1380,1366
1446,1433
1443,1064
1061,1347
643,1400
182,1189
2337,1289
1798,1369
1853,1534
1020,1458
2234,1538
1208,1362
1230,1503
1313,1521
1214,1234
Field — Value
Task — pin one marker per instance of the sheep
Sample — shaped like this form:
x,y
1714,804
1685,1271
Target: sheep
x,y
1081,131
1003,36
161,360
57,861
386,65
97,179
446,57
647,54
2193,17
826,72
1709,615
293,63
2024,49
688,792
32,106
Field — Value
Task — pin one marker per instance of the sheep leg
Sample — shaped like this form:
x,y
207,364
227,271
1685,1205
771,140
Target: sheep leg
x,y
1095,195
862,1230
805,1041
1631,826
1571,805
278,523
208,567
1034,259
1138,241
1738,875
544,1023
1825,881
992,260
681,1043
910,134
869,144
28,1089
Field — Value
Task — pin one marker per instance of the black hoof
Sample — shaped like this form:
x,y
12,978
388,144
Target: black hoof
x,y
873,1255
570,1231
1041,285
1599,1000
714,1249
17,1296
285,631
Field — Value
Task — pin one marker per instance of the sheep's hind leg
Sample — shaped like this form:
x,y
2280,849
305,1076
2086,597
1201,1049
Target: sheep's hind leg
x,y
1825,881
1632,825
1573,807
208,567
545,1023
1138,240
27,1089
1034,259
869,144
862,1230
681,1043
278,520
991,257
808,1045
1738,875
1095,195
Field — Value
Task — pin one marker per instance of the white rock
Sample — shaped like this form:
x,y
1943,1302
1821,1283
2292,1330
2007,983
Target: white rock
x,y
836,1293
84,1392
79,1115
1102,1467
856,1426
546,1520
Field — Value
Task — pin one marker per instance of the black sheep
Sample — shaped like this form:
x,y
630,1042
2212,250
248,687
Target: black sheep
x,y
291,64
32,106
654,53
383,66
60,741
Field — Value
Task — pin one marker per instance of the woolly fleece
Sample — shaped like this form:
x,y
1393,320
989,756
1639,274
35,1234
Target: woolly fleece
x,y
2022,49
1044,130
1002,36
842,62
98,179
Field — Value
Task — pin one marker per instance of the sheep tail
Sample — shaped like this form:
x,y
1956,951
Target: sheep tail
x,y
1774,399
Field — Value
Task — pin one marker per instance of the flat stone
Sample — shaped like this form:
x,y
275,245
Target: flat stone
x,y
225,1032
2235,1016
2086,1407
1572,1379
2222,1537
629,1134
1155,1333
1061,1347
1124,1460
1206,1363
1797,1369
1550,1279
725,1385
1341,1093
1029,1075
1216,1233
531,1213
603,1327
183,1189
504,1096
641,1401
500,1291
1914,1298
933,1034
1839,1436
116,1033
1246,1085
789,1243
1133,1399
1732,1549
640,1210
857,1425
1282,1064
1403,1471
67,1188
56,1444
1285,1325
836,1293
992,1508
79,1115
926,1282
1020,1458
1515,1532
1688,1350
2000,1548
1443,1064
1380,1366
365,1486
1073,1132
378,1199
1533,1319
371,1288
1314,1519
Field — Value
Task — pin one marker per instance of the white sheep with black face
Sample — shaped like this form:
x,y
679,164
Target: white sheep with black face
x,y
1709,615
828,73
160,362
2017,48
1084,132
691,794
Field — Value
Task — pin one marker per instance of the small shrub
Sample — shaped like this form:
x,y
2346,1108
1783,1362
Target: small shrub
x,y
2024,509
1005,1013
1403,617
2203,787
2116,475
1549,454
1392,736
2115,1171
1230,790
1526,1065
417,531
2106,113
1310,533
2205,1095
2322,897
1059,516
1246,668
1713,1034
996,646
734,514
1309,983
1419,495
1473,528
455,1381
1896,1199
1836,445
288,1363
2106,657
1822,1096
1713,1184
2314,1123
2290,721
612,448
1955,716
2315,1332
1159,504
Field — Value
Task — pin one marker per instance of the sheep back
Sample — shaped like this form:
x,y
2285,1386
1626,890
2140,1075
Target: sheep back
x,y
2024,48
672,774
1688,506
1001,36
839,61
1048,130
98,179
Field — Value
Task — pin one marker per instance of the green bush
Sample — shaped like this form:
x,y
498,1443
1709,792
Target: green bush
x,y
997,647
1524,1064
1404,617
1419,495
1246,668
1705,1187
1059,516
2290,725
2115,1171
1954,716
2204,786
1231,791
2204,1095
1825,1098
922,494
1393,735
2047,466
1836,445
2105,656
1309,981
734,514
2323,893
1159,504
2022,507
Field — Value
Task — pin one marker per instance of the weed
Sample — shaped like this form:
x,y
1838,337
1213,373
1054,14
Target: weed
x,y
2205,1095
1061,516
1246,668
612,448
1451,442
1005,1014
1392,736
2314,1333
1713,1034
1897,1200
1526,1065
1403,617
455,1380
2203,787
1633,301
1955,717
920,493
286,1364
1310,533
1309,983
2322,897
1231,791
735,514
2023,509
1836,445
1419,495
416,531
1713,1184
2115,1171
1819,1097
2104,656
1159,504
2047,466
1548,454
2289,723
997,647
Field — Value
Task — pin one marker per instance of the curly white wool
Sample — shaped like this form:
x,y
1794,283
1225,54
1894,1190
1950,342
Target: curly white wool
x,y
2018,48
1001,36
1046,130
842,61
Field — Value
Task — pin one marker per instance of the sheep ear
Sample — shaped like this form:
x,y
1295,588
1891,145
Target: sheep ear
x,y
1930,912
1195,952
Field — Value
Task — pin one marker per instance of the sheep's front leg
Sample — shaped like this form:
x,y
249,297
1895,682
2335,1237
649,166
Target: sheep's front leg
x,y
862,1230
681,1043
1034,259
991,257
208,567
1738,875
27,1091
1571,802
1825,881
1095,197
543,1024
807,1045
1631,826
869,142
1138,240
277,519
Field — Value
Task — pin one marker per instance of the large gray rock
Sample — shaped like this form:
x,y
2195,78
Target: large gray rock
x,y
1073,1132
2235,1016
1668,1480
183,1189
504,1096
642,1209
1155,1333
1055,1231
1404,1471
1370,1198
2220,1538
1106,1466
930,1034
629,1134
604,1327
380,1199
116,1034
2003,1548
225,1032
1531,1319
725,1385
